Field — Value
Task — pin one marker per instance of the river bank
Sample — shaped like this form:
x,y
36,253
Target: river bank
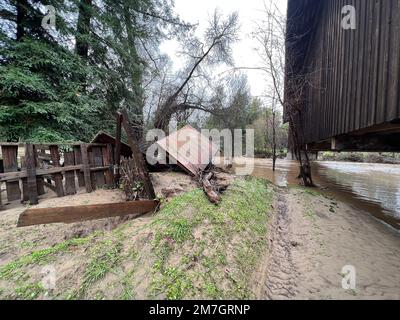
x,y
190,249
315,236
360,157
262,242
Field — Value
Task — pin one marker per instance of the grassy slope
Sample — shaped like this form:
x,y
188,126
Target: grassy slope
x,y
190,249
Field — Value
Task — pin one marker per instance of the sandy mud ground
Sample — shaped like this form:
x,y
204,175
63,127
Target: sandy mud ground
x,y
16,242
314,237
309,239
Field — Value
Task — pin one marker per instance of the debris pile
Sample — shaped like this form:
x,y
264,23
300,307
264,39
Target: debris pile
x,y
214,182
194,152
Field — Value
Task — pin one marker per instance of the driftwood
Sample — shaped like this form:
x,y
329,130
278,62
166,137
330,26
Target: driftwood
x,y
209,189
214,182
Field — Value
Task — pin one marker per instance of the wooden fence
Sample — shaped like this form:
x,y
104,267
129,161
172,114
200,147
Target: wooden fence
x,y
61,168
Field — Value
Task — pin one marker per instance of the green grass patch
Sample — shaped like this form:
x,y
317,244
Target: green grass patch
x,y
241,217
29,291
190,249
40,257
105,257
174,283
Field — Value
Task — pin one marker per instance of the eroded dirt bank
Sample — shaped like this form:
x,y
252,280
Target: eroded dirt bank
x,y
190,249
16,242
261,242
314,237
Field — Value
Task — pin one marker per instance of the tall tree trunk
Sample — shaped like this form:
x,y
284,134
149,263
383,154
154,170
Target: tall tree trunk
x,y
164,113
274,140
305,165
134,65
83,28
22,6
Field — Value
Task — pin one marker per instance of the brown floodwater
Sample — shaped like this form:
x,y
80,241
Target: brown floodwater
x,y
370,188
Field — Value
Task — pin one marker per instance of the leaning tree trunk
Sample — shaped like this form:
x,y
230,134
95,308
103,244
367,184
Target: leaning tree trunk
x,y
305,165
164,113
274,142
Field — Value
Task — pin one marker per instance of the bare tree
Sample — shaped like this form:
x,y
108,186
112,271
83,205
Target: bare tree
x,y
214,49
274,123
271,37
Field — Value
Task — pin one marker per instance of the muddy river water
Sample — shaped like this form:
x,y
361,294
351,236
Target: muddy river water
x,y
370,188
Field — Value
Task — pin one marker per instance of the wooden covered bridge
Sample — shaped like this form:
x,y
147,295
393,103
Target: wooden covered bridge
x,y
343,84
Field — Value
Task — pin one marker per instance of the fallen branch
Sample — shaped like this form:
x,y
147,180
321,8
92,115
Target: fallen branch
x,y
208,188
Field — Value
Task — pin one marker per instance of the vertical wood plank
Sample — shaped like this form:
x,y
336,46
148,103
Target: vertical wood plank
x,y
86,168
78,160
1,201
98,162
10,163
39,180
70,187
31,171
108,162
138,156
91,165
117,155
58,178
25,190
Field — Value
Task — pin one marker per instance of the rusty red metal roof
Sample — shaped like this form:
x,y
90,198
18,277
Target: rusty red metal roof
x,y
192,150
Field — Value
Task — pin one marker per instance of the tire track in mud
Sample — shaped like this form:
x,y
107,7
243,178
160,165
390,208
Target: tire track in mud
x,y
281,276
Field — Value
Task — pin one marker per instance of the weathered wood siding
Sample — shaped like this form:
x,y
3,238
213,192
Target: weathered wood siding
x,y
355,74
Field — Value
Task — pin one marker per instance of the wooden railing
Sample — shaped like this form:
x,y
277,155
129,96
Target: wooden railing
x,y
61,168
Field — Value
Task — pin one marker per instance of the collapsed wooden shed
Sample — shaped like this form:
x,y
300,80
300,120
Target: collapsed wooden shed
x,y
189,149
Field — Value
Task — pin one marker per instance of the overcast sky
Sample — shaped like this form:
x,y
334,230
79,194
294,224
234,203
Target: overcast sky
x,y
198,11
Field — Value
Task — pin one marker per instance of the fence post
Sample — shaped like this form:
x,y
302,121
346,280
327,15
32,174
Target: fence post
x,y
108,162
117,156
58,178
78,160
70,187
98,162
25,189
39,180
1,203
86,168
10,161
31,172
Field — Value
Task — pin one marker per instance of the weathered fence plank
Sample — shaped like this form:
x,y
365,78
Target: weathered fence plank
x,y
58,178
25,190
42,165
39,180
4,177
86,168
70,187
117,155
78,160
108,162
97,161
10,163
83,213
31,171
